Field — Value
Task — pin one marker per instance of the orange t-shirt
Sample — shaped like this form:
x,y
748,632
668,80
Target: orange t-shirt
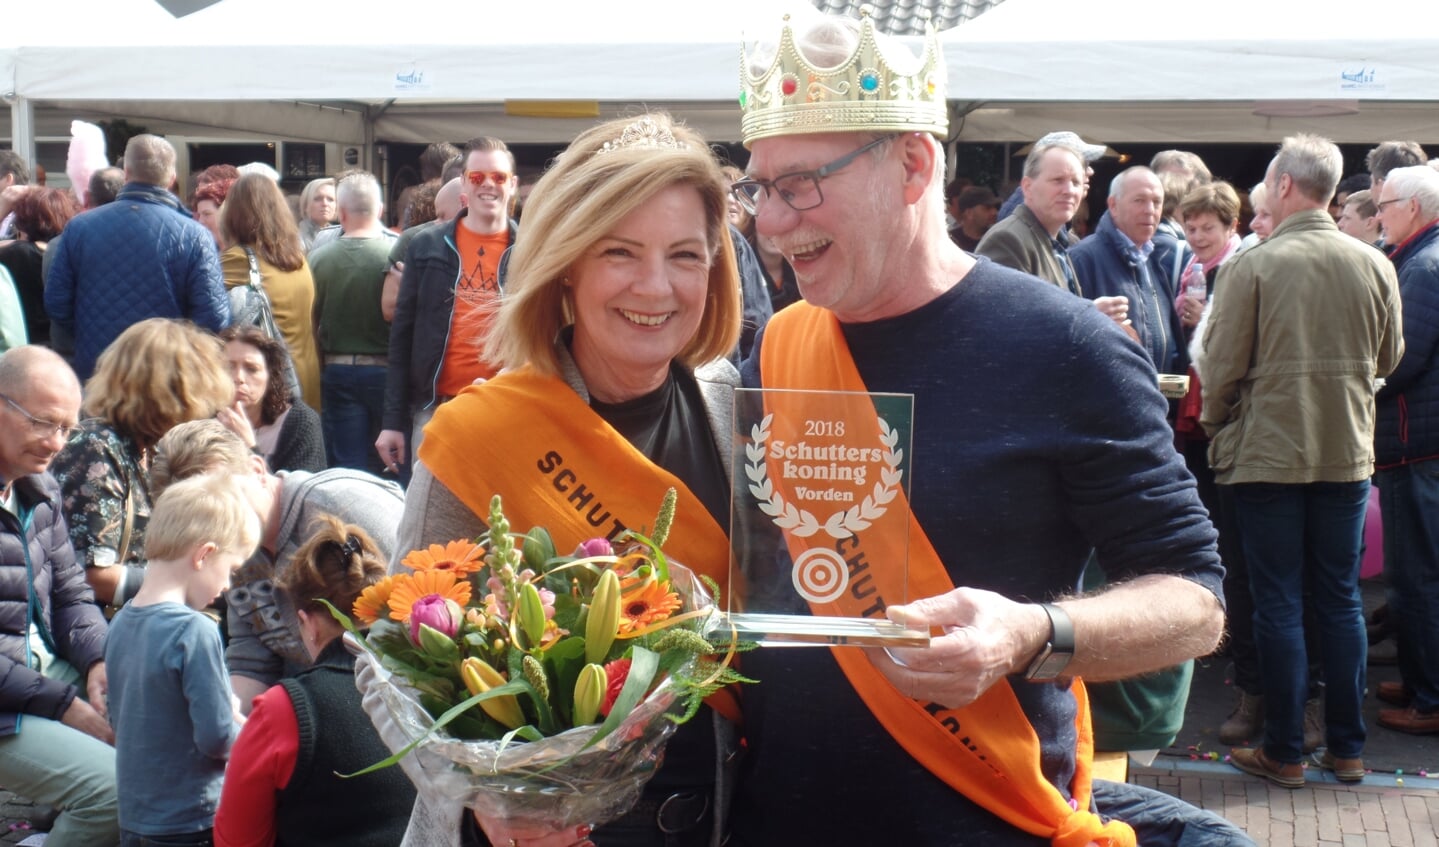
x,y
477,294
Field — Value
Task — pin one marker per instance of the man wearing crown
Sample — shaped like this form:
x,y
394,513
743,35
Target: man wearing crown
x,y
1039,434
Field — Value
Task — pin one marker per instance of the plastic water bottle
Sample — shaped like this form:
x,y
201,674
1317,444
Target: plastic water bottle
x,y
1195,288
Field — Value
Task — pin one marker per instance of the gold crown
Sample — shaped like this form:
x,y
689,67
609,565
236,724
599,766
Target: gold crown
x,y
865,93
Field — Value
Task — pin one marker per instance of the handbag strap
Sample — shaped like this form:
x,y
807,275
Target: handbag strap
x,y
129,525
254,269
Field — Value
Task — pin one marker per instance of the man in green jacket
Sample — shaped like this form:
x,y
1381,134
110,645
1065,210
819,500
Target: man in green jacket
x,y
1301,326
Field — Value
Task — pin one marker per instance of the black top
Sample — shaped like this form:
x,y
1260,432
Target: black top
x,y
23,259
317,807
671,427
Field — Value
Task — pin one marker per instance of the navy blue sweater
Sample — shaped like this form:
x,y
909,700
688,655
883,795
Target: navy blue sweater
x,y
1039,432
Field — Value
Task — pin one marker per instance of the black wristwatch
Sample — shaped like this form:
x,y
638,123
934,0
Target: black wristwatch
x,y
1058,651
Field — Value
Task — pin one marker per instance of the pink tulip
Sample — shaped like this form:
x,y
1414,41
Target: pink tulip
x,y
439,613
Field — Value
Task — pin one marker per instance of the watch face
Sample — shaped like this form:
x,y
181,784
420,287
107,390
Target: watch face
x,y
1051,666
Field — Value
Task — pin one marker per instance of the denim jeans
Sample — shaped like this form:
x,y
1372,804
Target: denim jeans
x,y
354,402
1409,502
1160,820
1297,537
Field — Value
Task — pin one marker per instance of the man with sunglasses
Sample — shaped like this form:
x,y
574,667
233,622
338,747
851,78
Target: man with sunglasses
x,y
55,741
449,286
1039,433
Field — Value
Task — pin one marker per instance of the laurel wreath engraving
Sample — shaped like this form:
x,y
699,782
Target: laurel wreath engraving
x,y
841,524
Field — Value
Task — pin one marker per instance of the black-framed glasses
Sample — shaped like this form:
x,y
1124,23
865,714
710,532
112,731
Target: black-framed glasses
x,y
40,427
799,190
1382,203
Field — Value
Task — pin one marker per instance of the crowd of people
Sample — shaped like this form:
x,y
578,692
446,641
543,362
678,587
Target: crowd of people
x,y
169,674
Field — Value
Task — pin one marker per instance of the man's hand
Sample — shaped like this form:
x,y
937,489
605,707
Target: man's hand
x,y
986,637
1116,308
391,447
82,716
97,686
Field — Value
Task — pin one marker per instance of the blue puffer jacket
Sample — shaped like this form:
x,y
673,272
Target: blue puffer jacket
x,y
1406,426
1105,270
35,551
136,258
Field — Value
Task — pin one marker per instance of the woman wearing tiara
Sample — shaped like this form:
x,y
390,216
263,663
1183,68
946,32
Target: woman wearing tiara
x,y
621,303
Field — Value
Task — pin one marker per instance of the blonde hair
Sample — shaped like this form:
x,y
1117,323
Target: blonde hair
x,y
337,563
194,448
583,197
157,374
207,508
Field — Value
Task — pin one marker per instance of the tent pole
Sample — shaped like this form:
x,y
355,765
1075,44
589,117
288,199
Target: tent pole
x,y
22,129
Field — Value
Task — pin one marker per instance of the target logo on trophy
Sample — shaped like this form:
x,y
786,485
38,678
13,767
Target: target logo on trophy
x,y
820,517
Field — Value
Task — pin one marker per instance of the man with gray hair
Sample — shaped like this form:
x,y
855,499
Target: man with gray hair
x,y
1030,240
351,330
1388,156
56,745
1406,447
139,257
1043,436
1121,274
1300,327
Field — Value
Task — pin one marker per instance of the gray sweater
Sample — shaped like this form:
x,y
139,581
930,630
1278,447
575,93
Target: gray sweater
x,y
264,631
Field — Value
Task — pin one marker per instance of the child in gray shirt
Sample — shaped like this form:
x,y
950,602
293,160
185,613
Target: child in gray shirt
x,y
170,699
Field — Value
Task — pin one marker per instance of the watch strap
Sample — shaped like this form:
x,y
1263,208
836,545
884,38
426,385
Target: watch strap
x,y
1057,653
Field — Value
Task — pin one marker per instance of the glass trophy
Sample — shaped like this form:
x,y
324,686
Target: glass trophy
x,y
820,518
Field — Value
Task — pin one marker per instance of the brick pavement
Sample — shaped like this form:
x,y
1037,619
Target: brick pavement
x,y
1384,810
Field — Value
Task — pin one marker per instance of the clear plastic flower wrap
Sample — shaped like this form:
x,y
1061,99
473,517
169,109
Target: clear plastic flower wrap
x,y
538,787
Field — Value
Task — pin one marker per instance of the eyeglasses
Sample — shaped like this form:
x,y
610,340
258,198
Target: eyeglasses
x,y
40,427
1382,203
481,177
799,190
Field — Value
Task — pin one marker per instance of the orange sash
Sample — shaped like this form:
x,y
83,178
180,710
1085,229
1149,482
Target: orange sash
x,y
532,440
987,751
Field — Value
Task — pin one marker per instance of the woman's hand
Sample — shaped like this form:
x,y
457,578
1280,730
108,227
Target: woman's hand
x,y
1189,311
235,420
505,834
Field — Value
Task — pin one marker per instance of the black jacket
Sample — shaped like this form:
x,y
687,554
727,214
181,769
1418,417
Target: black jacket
x,y
420,330
35,553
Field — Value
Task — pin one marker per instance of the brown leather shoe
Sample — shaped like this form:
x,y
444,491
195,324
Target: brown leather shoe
x,y
1393,693
1410,720
1345,770
1253,760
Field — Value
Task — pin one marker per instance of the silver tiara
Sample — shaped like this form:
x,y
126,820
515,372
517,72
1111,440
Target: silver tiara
x,y
644,133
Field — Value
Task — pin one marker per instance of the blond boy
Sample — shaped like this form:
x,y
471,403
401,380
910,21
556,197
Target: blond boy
x,y
170,698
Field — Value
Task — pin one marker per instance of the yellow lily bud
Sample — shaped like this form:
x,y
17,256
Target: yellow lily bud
x,y
589,693
603,622
531,610
479,678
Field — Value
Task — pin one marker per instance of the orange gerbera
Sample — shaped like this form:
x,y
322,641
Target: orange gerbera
x,y
409,588
461,557
649,603
372,601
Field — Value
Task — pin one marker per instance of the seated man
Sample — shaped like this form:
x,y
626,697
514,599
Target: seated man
x,y
55,741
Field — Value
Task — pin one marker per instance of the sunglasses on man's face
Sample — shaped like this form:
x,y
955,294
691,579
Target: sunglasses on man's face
x,y
481,177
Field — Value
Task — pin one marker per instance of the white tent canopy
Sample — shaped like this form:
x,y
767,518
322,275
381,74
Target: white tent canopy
x,y
1224,70
416,70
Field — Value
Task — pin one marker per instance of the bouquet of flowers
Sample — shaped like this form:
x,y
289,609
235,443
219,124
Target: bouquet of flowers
x,y
535,688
